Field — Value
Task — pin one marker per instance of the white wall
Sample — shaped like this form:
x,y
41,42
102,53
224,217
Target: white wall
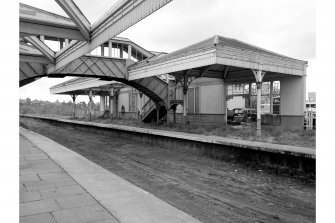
x,y
211,99
102,103
292,95
123,99
210,95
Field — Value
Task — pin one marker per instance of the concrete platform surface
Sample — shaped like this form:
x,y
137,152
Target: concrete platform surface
x,y
253,145
59,185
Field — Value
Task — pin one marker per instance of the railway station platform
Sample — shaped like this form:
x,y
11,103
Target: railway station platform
x,y
59,185
285,157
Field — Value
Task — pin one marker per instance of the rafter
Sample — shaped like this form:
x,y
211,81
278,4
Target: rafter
x,y
124,14
34,59
225,72
35,21
205,71
77,17
42,47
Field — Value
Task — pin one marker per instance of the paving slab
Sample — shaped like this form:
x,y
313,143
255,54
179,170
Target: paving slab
x,y
29,178
38,207
120,200
49,196
27,196
62,191
45,218
87,214
75,201
59,176
40,185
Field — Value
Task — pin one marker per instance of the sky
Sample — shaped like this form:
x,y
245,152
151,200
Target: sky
x,y
286,27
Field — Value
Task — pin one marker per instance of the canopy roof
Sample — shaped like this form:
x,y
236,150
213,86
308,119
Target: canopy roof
x,y
81,86
218,50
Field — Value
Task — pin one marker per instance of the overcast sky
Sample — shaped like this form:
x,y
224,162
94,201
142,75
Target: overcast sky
x,y
286,27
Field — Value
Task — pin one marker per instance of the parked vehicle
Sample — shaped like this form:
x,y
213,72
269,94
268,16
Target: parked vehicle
x,y
250,116
238,115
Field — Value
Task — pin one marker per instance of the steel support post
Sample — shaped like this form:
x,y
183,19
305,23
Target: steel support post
x,y
271,97
102,50
111,95
225,109
121,51
66,42
168,99
184,98
73,96
110,106
259,92
250,96
102,104
259,74
90,104
129,51
116,103
110,48
157,113
141,106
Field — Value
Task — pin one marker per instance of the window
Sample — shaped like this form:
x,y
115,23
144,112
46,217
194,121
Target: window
x,y
193,95
133,100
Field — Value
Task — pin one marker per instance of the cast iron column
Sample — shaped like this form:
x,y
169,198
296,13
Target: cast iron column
x,y
157,112
185,98
110,49
168,99
141,106
90,103
271,97
73,96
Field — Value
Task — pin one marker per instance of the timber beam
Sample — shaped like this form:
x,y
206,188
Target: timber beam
x,y
35,22
42,47
77,17
34,59
121,16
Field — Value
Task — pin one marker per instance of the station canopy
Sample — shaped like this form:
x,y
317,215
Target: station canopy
x,y
220,57
82,85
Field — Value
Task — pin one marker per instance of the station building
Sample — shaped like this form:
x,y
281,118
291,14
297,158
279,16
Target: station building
x,y
208,97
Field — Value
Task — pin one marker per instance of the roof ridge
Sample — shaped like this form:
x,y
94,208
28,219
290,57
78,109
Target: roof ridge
x,y
260,48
